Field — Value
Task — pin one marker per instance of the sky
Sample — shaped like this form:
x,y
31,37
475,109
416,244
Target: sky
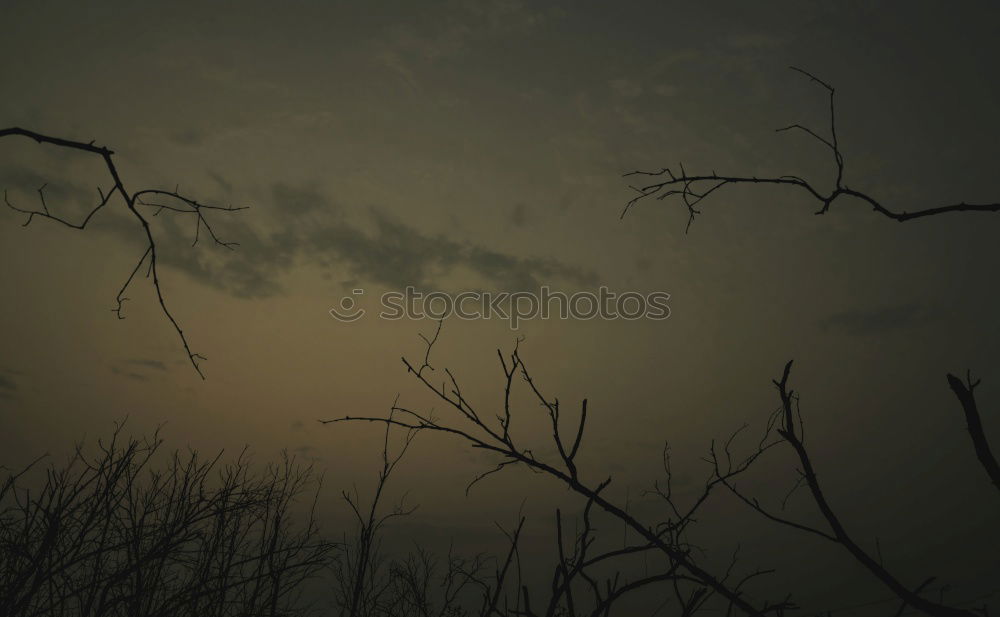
x,y
481,146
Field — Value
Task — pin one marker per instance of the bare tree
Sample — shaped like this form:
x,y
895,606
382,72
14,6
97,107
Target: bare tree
x,y
681,571
368,582
141,205
786,427
587,581
113,533
361,582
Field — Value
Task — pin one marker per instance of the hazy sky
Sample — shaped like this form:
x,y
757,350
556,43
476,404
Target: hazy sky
x,y
480,145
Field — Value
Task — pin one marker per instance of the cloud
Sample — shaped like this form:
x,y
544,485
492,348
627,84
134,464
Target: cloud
x,y
138,368
396,255
188,137
146,363
130,374
311,229
307,227
8,388
63,198
248,271
868,321
223,183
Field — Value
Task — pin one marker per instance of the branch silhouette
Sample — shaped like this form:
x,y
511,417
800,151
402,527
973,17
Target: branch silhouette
x,y
576,586
664,538
692,189
118,533
155,201
785,425
966,397
791,430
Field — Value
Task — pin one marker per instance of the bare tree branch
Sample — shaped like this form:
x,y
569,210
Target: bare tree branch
x,y
790,429
172,201
966,397
479,434
692,189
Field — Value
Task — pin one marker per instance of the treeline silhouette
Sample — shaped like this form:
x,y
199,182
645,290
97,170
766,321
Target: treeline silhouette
x,y
122,528
592,574
118,531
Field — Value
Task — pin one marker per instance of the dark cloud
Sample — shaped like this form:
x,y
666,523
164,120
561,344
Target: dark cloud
x,y
62,197
313,230
223,183
397,255
188,137
8,388
868,321
130,374
138,368
249,271
146,363
308,228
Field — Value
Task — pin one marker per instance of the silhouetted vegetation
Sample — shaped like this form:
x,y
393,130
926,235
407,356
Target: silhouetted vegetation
x,y
588,581
576,588
115,533
692,189
118,531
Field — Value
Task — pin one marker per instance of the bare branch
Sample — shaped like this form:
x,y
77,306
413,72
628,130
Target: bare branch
x,y
482,436
692,189
790,430
967,398
177,203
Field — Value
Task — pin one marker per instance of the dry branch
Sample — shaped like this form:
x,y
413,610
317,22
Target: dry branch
x,y
148,200
692,189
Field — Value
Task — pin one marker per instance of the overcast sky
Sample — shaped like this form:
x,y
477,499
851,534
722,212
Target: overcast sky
x,y
481,145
